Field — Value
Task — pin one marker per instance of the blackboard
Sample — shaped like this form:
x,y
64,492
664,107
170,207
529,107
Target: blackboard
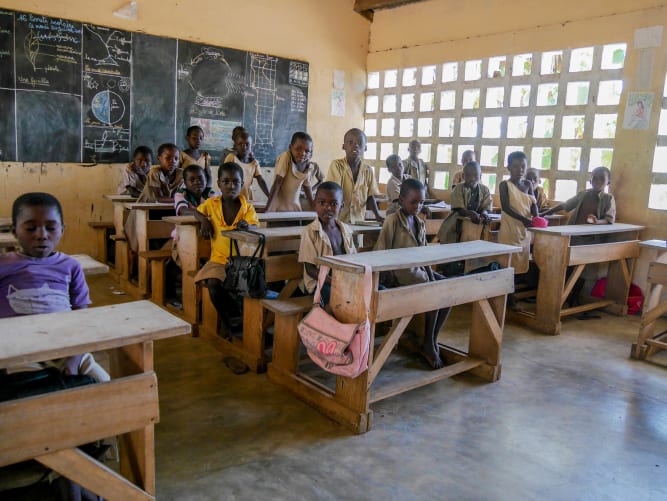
x,y
76,92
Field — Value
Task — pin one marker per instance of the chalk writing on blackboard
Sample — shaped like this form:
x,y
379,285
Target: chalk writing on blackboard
x,y
263,82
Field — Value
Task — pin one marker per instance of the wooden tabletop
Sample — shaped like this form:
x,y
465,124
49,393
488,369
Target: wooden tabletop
x,y
120,198
396,259
178,220
587,229
8,240
150,205
286,216
654,244
290,232
34,338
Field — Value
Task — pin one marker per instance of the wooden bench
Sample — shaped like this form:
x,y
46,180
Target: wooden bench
x,y
90,266
103,231
49,427
8,242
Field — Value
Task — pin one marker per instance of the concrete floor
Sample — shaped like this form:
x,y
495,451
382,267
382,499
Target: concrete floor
x,y
572,417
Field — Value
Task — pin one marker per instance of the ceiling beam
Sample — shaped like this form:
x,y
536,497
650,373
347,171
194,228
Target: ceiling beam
x,y
367,7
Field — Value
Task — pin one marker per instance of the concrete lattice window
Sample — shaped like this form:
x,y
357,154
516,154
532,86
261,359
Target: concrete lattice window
x,y
658,196
560,107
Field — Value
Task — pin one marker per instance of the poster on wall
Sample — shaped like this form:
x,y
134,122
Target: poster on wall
x,y
638,110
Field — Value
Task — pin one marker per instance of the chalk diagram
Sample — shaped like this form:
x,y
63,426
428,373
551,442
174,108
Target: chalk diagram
x,y
112,46
298,74
108,107
111,142
33,47
263,81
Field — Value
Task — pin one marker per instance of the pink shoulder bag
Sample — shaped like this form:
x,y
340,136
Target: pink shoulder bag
x,y
339,348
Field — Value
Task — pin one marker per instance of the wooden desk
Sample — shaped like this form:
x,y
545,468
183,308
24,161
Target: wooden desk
x,y
553,253
298,217
90,266
119,215
349,403
648,343
5,223
8,242
146,230
49,427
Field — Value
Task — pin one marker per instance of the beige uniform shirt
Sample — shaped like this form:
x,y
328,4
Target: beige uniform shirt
x,y
315,243
393,188
354,193
415,169
250,172
288,198
166,184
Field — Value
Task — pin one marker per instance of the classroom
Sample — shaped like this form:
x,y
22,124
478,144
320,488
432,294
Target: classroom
x,y
204,411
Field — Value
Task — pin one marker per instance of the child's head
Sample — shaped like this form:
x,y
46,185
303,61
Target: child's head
x,y
243,144
142,158
194,180
517,163
471,174
600,178
236,131
37,223
167,156
328,201
230,179
468,156
354,144
395,166
301,148
533,175
194,136
414,148
411,196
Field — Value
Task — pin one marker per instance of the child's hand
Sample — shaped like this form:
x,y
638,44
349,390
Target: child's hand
x,y
206,230
591,219
484,217
243,225
474,217
426,211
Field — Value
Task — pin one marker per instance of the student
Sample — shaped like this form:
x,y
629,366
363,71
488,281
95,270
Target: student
x,y
466,157
533,175
356,178
228,211
404,229
38,279
133,177
395,167
192,156
415,167
227,151
325,236
518,207
294,171
250,166
592,206
471,202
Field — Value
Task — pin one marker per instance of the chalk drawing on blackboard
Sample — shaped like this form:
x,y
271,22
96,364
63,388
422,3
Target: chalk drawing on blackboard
x,y
297,100
263,81
298,73
125,84
106,145
108,107
111,43
90,82
34,47
31,47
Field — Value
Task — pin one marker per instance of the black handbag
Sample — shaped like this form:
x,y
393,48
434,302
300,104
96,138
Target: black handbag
x,y
30,383
245,275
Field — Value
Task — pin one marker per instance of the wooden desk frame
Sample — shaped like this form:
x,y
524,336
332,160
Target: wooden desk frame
x,y
49,427
349,404
553,253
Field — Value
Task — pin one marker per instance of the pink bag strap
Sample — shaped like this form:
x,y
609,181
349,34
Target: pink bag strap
x,y
367,285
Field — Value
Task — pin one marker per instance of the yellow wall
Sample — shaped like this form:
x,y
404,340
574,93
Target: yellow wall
x,y
326,33
438,31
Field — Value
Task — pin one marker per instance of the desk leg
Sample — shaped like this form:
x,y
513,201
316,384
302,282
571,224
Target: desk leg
x,y
486,336
141,223
188,253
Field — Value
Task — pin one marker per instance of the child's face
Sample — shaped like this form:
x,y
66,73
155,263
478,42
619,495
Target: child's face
x,y
243,146
517,169
142,162
599,180
412,202
230,184
396,168
328,204
468,157
354,146
533,177
38,230
195,139
302,151
168,160
195,182
414,149
471,177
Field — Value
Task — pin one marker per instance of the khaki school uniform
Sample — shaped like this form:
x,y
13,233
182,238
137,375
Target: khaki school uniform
x,y
250,172
288,197
356,193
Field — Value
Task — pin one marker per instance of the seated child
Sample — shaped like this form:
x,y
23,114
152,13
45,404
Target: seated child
x,y
356,178
592,206
518,208
192,156
228,211
415,167
40,280
533,175
294,171
471,202
325,236
466,157
403,229
243,157
395,167
134,175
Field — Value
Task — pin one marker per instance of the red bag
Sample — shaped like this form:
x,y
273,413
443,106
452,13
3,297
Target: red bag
x,y
635,295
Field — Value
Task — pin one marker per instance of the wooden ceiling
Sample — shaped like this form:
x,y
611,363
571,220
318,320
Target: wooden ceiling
x,y
367,7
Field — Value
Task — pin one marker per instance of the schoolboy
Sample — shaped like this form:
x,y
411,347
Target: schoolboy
x,y
325,236
415,167
356,178
192,155
243,157
404,229
228,211
133,177
592,206
471,202
163,179
397,171
533,175
466,157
